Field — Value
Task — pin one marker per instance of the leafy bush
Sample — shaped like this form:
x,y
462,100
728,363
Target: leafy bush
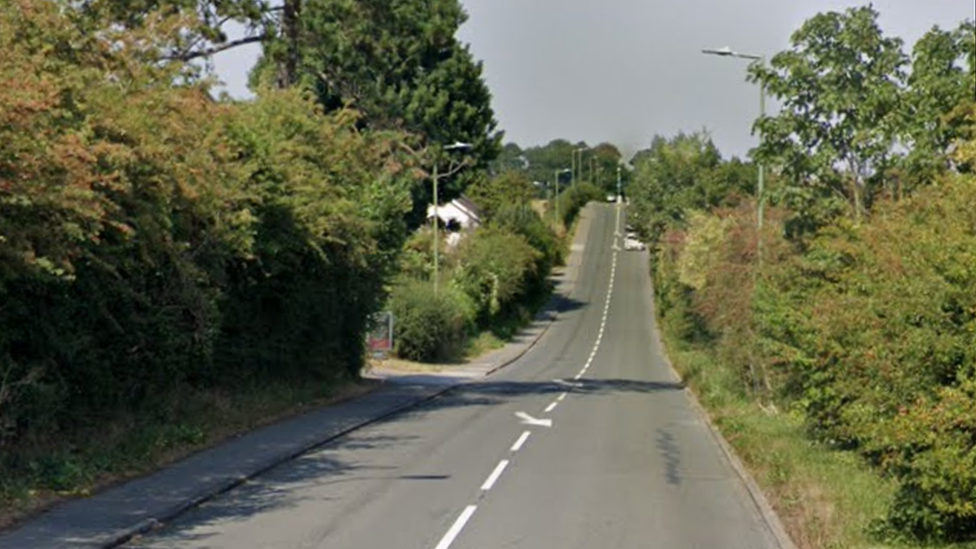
x,y
879,349
526,222
510,189
429,326
299,304
153,239
674,300
866,330
572,200
495,269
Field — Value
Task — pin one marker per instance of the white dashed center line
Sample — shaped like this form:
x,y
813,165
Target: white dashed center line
x,y
521,440
493,477
469,511
456,528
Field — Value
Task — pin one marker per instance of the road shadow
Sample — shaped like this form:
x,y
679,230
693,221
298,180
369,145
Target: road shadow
x,y
305,478
488,393
347,460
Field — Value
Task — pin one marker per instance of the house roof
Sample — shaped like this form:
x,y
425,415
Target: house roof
x,y
469,206
462,205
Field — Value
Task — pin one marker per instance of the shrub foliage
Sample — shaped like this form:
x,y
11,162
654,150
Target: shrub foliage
x,y
153,239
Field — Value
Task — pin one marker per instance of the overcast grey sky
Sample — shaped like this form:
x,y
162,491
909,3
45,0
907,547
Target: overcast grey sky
x,y
624,70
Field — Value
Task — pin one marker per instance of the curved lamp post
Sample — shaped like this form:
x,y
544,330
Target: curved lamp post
x,y
456,146
728,52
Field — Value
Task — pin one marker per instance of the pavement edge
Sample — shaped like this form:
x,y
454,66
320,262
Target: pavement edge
x,y
769,515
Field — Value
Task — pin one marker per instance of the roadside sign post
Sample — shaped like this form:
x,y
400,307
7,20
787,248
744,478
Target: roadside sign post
x,y
380,338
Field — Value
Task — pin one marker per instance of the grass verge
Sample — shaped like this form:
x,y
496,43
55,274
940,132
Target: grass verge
x,y
826,499
128,447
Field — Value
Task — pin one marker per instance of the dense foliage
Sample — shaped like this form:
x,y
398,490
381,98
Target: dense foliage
x,y
398,63
153,240
859,314
872,333
572,200
597,164
684,173
496,274
430,327
856,125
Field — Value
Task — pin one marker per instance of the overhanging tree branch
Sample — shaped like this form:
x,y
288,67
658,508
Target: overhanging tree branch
x,y
191,55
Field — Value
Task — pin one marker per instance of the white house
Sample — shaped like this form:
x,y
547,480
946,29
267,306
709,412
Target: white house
x,y
458,215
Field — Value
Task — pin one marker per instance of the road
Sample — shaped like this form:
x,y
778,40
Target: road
x,y
587,441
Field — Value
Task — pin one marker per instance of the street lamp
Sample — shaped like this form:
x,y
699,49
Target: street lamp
x,y
456,146
577,166
619,193
728,52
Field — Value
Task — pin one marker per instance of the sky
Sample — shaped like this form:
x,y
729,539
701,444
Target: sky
x,y
622,71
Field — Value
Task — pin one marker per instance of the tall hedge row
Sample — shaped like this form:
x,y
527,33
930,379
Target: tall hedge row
x,y
866,330
153,239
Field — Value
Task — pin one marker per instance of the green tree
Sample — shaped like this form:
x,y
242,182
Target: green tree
x,y
153,239
840,89
496,268
205,27
606,158
508,189
545,160
937,86
673,176
398,63
510,158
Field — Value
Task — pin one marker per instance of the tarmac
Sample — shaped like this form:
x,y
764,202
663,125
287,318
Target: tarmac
x,y
113,517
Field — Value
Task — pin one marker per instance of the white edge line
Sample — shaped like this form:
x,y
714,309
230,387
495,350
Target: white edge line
x,y
521,440
493,477
456,528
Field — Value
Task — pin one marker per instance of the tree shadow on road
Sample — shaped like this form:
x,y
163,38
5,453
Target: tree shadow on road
x,y
331,472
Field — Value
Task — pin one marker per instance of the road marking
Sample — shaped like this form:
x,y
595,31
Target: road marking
x,y
493,477
521,440
570,384
529,420
561,397
551,407
456,528
579,375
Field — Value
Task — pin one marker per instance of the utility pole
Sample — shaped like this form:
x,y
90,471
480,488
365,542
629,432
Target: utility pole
x,y
555,179
761,184
457,146
618,184
572,167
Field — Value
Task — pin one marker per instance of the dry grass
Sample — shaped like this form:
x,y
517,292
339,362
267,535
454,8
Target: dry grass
x,y
130,447
826,499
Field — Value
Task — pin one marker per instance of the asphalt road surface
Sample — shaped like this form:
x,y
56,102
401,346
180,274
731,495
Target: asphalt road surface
x,y
587,441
